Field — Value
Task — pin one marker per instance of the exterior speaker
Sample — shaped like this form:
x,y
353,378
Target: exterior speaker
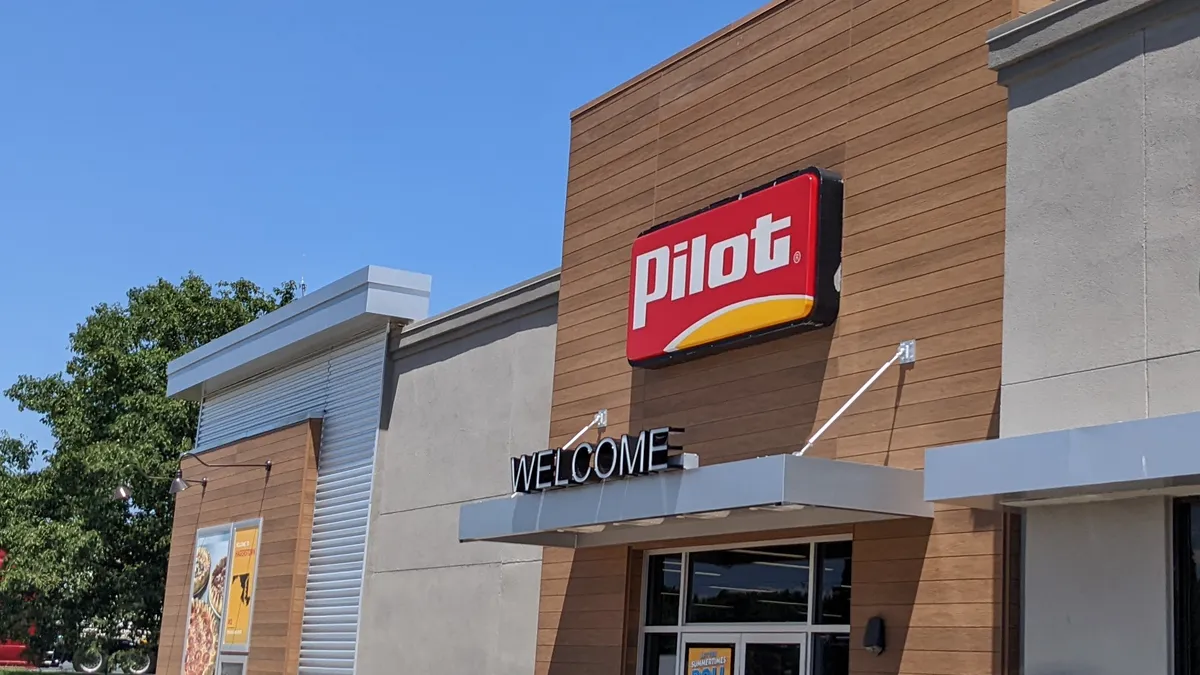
x,y
873,640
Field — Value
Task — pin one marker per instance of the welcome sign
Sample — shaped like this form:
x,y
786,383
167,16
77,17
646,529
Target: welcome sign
x,y
637,455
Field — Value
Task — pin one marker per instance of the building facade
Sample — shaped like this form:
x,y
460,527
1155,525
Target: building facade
x,y
870,352
760,561
467,390
317,521
1098,397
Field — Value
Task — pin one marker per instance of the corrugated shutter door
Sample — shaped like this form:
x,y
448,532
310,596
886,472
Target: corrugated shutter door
x,y
343,504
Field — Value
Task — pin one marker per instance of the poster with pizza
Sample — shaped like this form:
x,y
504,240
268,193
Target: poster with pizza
x,y
210,573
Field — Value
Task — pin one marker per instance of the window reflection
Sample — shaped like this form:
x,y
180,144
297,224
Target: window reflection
x,y
1193,601
749,585
1187,587
662,651
662,596
833,583
777,659
831,654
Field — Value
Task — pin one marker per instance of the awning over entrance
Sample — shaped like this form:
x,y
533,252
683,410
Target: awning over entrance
x,y
776,492
1112,461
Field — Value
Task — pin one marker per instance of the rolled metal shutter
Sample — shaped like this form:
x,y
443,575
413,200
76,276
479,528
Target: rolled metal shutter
x,y
344,386
344,475
261,404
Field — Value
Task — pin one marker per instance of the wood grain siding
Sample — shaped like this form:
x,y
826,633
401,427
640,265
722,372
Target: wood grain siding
x,y
896,96
284,501
1023,7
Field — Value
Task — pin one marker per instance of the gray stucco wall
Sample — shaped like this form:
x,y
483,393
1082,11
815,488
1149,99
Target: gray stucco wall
x,y
463,402
1096,602
1102,285
1102,301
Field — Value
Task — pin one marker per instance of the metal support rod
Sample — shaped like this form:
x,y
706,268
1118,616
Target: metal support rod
x,y
262,465
905,353
600,420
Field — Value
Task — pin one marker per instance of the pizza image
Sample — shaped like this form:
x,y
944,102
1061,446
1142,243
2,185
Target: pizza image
x,y
201,572
201,657
216,585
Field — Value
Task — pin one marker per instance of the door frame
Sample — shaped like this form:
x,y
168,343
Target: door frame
x,y
739,641
798,638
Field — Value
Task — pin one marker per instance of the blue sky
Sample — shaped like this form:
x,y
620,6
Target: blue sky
x,y
273,140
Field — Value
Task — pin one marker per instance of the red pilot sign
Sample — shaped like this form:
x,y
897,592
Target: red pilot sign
x,y
749,268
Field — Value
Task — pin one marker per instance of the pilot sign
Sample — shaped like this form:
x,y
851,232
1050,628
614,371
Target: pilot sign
x,y
752,267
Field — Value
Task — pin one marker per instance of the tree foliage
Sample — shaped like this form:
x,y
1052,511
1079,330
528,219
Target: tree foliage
x,y
76,558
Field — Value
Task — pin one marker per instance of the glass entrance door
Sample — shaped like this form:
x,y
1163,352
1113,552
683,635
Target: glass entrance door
x,y
710,654
743,654
767,654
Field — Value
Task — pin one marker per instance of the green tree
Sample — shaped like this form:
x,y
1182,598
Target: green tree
x,y
76,558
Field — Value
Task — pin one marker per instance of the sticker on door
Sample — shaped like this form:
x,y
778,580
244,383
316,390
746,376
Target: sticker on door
x,y
710,660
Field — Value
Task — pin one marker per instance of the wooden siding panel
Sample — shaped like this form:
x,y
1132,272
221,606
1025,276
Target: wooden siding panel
x,y
1022,7
284,501
896,96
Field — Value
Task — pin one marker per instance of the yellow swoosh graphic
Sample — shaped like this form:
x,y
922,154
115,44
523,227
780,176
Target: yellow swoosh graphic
x,y
743,317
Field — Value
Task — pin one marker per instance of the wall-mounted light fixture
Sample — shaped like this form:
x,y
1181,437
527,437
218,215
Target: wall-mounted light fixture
x,y
123,492
178,484
873,640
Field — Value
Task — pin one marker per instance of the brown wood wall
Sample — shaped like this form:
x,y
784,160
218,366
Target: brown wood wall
x,y
896,96
284,501
1022,7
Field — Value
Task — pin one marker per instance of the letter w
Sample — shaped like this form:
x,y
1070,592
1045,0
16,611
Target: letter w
x,y
522,473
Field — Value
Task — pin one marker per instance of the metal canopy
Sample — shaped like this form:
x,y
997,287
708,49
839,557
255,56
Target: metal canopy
x,y
1112,461
776,492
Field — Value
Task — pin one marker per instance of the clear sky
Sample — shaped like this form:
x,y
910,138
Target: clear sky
x,y
273,140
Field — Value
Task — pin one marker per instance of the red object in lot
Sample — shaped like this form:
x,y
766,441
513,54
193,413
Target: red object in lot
x,y
12,653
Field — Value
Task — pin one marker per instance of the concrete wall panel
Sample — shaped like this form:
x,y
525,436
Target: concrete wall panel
x,y
436,528
462,409
462,401
1025,407
1097,583
1173,384
1172,82
1101,305
1102,250
1074,279
407,625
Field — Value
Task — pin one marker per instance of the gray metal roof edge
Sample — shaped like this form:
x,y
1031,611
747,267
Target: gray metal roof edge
x,y
304,324
772,480
878,489
1052,25
521,295
1096,458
